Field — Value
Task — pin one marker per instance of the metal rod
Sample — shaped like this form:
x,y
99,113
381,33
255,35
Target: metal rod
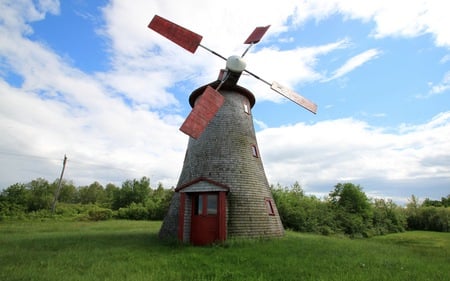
x,y
257,77
246,50
211,51
225,77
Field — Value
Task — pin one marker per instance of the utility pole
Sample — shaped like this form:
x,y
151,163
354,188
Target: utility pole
x,y
59,185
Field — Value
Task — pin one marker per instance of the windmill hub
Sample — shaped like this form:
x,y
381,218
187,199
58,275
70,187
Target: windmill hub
x,y
236,64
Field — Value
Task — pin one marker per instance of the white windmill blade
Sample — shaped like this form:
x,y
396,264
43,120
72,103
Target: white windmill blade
x,y
293,96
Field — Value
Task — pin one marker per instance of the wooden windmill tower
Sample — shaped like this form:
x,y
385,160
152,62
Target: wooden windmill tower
x,y
222,190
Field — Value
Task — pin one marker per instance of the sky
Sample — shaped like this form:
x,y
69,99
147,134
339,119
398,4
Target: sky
x,y
89,80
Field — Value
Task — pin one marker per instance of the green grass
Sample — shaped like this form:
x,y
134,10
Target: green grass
x,y
130,250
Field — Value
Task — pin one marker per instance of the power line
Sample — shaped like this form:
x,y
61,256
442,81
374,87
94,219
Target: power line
x,y
25,155
76,162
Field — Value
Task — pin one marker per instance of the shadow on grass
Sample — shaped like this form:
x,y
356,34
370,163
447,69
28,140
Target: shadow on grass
x,y
109,241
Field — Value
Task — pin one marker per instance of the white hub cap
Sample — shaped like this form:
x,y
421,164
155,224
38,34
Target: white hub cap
x,y
236,64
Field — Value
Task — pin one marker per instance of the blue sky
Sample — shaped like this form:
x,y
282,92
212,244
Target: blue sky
x,y
90,80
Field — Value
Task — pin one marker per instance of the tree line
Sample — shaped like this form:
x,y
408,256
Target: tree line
x,y
346,210
134,199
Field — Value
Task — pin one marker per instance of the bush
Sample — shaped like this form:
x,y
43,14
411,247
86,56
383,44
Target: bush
x,y
71,210
387,217
99,214
11,209
433,218
133,212
303,213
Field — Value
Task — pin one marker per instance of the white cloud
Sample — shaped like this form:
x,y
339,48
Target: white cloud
x,y
331,151
16,13
439,88
445,59
443,86
61,110
260,124
392,18
354,63
288,67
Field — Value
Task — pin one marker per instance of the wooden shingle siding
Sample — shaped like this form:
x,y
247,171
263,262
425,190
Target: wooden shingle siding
x,y
224,154
187,219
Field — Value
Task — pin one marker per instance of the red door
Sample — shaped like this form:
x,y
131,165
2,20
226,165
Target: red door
x,y
205,218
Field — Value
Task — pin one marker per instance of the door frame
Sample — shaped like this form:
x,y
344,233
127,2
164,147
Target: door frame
x,y
187,193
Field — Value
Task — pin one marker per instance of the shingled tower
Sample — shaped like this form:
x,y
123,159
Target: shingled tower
x,y
222,190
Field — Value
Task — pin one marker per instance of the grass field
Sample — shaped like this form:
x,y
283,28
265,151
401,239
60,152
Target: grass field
x,y
130,250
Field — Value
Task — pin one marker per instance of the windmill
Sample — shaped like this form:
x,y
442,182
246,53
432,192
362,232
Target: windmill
x,y
222,190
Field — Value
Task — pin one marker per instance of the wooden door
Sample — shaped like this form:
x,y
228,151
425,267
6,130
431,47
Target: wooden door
x,y
205,218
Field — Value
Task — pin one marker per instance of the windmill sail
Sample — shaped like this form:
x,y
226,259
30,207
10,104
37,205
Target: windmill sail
x,y
293,96
179,35
256,35
204,110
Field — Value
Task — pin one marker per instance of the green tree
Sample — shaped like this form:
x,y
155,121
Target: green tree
x,y
446,201
110,190
352,208
132,191
387,217
158,202
92,194
431,203
16,194
14,200
40,196
300,212
412,213
68,192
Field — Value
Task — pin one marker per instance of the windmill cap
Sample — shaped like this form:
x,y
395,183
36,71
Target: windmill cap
x,y
227,87
236,64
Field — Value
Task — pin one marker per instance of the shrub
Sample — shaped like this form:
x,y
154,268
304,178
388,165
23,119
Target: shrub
x,y
99,214
133,212
11,209
435,218
428,217
303,213
387,217
71,210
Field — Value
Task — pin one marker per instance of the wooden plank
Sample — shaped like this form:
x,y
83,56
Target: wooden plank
x,y
179,35
256,35
293,96
203,112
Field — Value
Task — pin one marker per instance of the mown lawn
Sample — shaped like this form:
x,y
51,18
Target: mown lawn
x,y
130,250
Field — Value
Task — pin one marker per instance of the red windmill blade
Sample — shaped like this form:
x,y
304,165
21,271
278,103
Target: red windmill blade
x,y
256,35
179,35
211,100
206,107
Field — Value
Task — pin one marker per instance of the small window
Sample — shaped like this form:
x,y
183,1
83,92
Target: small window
x,y
212,204
198,205
205,204
255,151
269,207
246,108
